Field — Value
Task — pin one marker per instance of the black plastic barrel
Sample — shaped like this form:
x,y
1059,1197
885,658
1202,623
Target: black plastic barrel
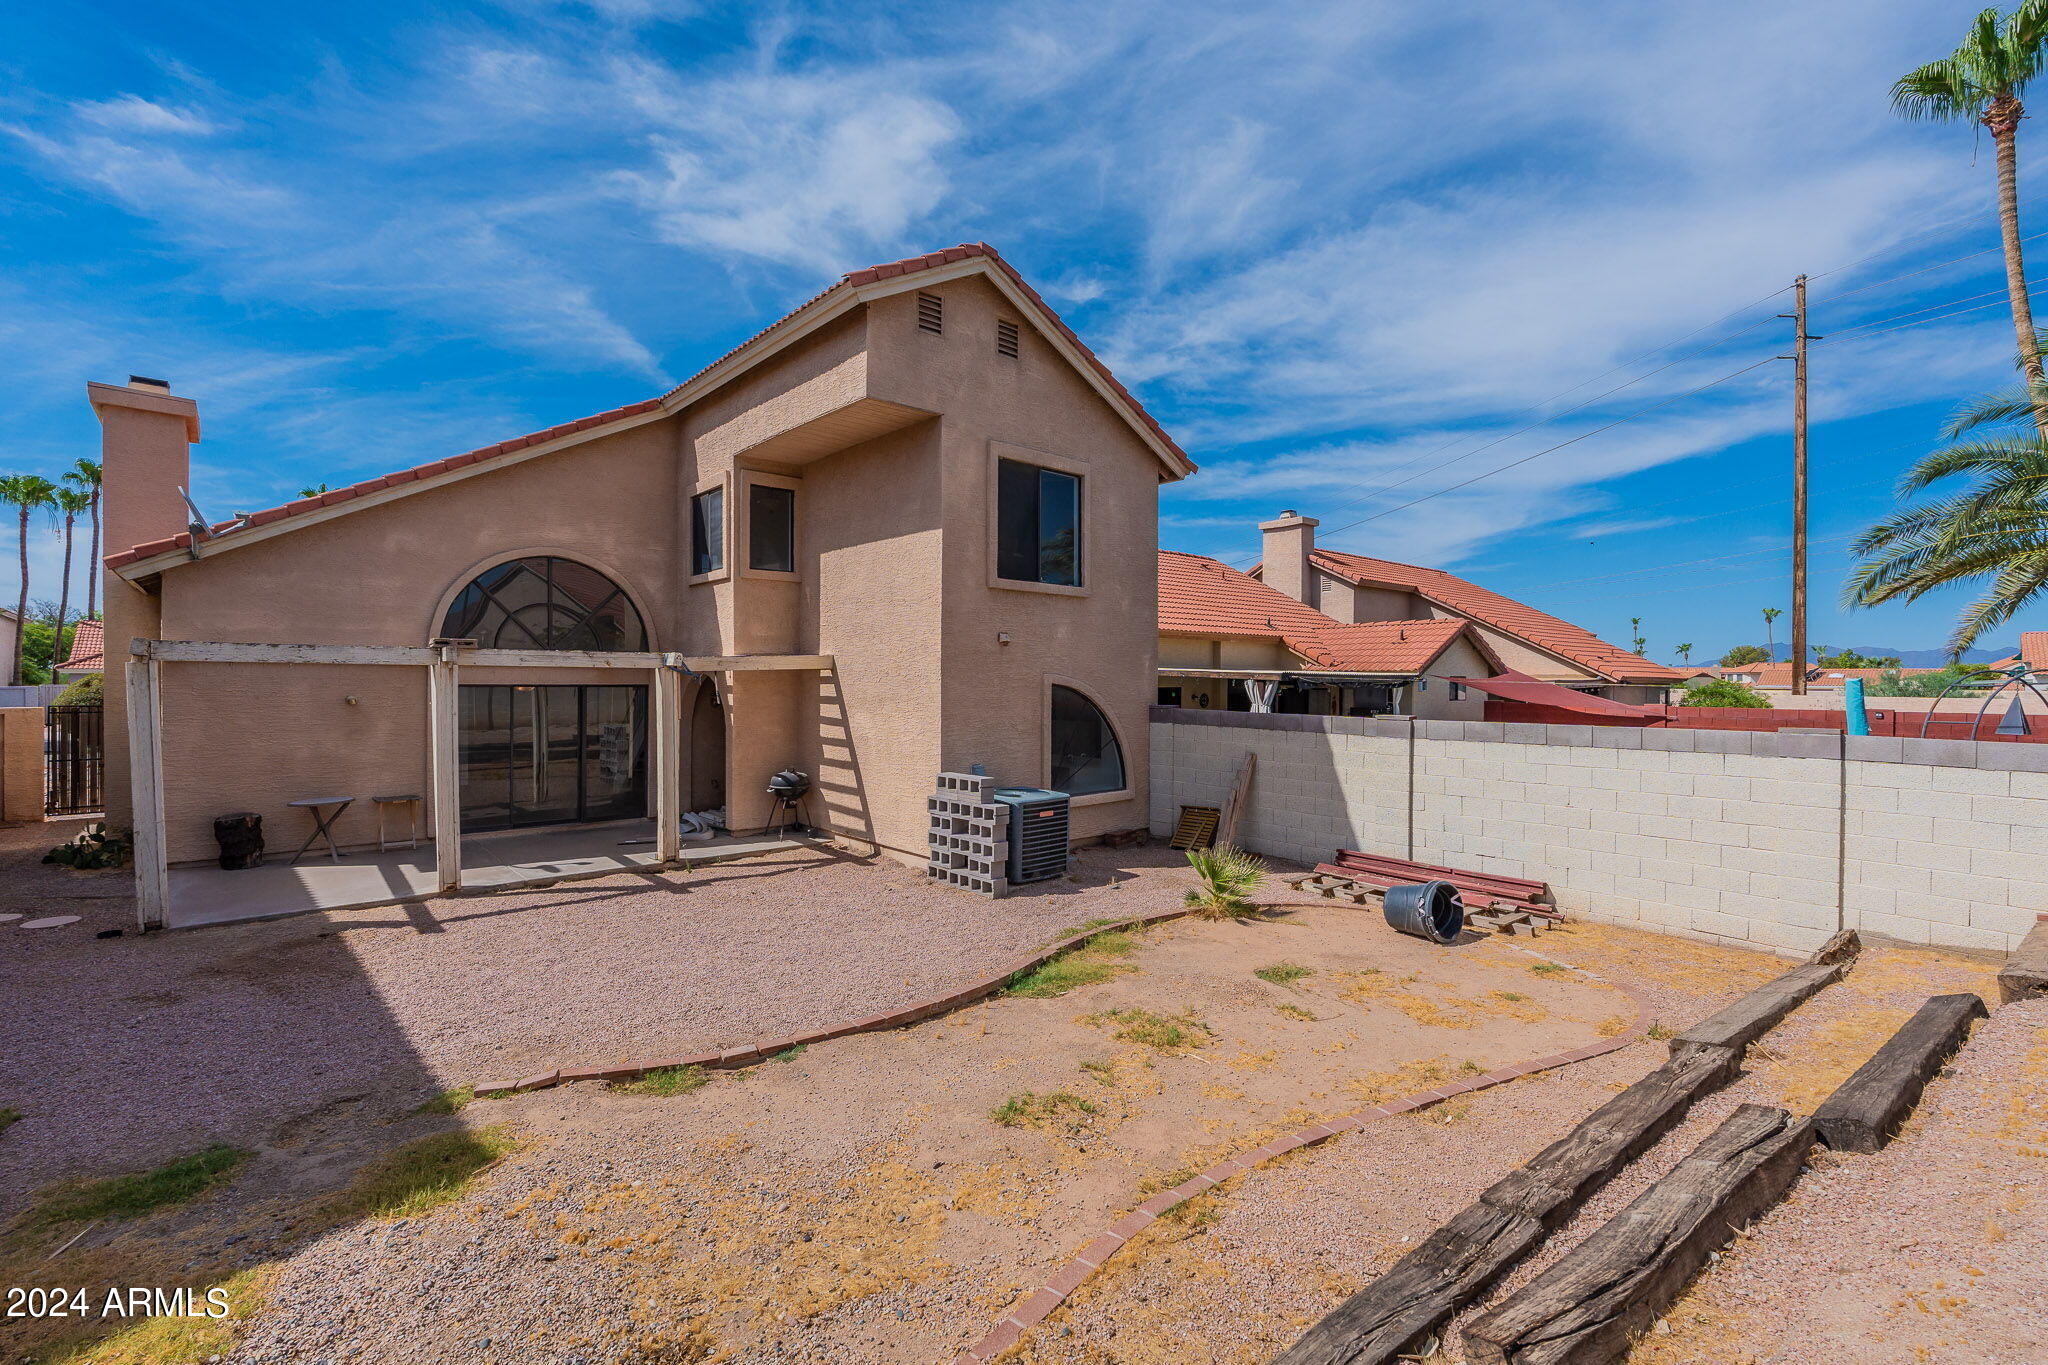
x,y
1431,910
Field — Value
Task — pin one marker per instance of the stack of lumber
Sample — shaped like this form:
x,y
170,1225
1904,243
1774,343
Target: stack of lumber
x,y
1495,902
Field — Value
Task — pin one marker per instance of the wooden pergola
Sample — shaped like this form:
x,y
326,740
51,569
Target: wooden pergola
x,y
443,659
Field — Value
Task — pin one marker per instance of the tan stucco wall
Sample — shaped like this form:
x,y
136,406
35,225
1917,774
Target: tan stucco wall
x,y
21,764
1104,644
253,737
1461,659
892,580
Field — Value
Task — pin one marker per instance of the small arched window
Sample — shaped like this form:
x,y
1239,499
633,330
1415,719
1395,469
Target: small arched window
x,y
1085,755
545,603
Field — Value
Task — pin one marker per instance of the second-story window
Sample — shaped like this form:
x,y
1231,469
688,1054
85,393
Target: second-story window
x,y
707,531
771,528
1038,524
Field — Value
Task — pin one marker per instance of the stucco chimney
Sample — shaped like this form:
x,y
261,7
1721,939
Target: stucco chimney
x,y
146,438
1288,541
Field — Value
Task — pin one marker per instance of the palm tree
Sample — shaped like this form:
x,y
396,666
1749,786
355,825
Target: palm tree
x,y
70,503
1981,82
85,476
1684,653
313,492
1996,529
1770,637
26,492
1635,623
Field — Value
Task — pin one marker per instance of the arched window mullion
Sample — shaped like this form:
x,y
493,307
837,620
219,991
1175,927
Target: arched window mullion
x,y
566,617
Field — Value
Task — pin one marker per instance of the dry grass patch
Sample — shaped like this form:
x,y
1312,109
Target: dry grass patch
x,y
1164,1032
1295,1012
665,1082
1061,1109
423,1174
1283,973
1095,961
1444,1009
131,1196
175,1340
1377,1087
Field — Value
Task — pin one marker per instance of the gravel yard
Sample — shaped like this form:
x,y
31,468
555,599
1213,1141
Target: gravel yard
x,y
886,1197
122,1052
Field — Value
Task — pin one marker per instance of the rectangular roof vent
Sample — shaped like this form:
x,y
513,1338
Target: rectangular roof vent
x,y
1007,338
930,314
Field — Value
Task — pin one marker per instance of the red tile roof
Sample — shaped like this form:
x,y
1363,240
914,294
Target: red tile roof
x,y
2033,651
88,646
1380,646
1467,599
852,279
1202,596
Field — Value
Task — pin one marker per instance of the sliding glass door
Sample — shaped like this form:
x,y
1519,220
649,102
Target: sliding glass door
x,y
550,755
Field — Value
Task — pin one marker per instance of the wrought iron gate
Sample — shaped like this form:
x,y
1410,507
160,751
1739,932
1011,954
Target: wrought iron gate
x,y
74,760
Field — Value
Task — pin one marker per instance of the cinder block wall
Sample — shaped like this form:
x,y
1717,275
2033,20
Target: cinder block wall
x,y
1765,840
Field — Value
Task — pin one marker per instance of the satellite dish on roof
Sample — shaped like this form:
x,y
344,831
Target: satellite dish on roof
x,y
199,526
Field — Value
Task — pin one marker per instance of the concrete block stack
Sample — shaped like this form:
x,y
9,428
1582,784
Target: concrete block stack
x,y
970,843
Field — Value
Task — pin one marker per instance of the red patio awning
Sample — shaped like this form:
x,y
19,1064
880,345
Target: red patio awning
x,y
1521,687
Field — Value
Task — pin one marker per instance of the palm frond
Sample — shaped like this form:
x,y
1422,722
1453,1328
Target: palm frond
x,y
2017,584
2021,402
1939,92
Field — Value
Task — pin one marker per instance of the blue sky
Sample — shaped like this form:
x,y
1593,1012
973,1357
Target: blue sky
x,y
1344,252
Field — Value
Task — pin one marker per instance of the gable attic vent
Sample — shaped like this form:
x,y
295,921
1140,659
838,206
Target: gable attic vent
x,y
1007,338
930,313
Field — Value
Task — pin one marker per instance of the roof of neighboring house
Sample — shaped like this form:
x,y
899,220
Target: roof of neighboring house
x,y
1203,596
1575,644
2033,651
88,647
1780,674
842,290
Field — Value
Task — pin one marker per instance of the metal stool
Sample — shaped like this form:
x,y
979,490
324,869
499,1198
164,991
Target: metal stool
x,y
411,802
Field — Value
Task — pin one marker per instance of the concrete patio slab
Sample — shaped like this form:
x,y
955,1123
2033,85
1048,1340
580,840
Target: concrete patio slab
x,y
490,862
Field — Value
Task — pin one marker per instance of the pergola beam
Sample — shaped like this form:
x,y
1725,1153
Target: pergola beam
x,y
420,656
443,662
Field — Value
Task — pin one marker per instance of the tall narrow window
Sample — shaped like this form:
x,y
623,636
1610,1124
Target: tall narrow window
x,y
707,531
1085,755
771,528
930,313
1038,524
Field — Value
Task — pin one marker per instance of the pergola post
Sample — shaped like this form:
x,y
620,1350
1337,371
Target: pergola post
x,y
146,791
668,759
444,725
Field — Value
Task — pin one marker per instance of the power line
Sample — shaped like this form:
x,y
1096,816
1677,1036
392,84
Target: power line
x,y
1945,317
1687,563
1907,275
1640,412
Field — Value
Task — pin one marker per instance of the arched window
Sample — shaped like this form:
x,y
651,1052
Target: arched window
x,y
545,603
1085,755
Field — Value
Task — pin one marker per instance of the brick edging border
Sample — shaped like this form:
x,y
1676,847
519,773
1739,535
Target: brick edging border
x,y
1039,1306
749,1054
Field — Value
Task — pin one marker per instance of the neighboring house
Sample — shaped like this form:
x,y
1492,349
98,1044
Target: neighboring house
x,y
10,631
2033,652
1777,677
911,525
1354,588
1229,642
88,651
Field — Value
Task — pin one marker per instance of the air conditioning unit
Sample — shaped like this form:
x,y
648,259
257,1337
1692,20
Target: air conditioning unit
x,y
1038,832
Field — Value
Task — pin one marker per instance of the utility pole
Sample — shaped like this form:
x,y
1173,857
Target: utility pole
x,y
1798,359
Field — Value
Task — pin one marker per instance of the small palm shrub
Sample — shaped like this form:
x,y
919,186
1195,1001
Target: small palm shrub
x,y
1228,876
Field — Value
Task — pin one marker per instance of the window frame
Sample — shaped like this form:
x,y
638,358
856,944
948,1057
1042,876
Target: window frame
x,y
742,527
1079,469
461,584
1131,758
721,486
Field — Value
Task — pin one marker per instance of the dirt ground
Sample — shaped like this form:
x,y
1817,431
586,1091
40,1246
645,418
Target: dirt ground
x,y
881,1198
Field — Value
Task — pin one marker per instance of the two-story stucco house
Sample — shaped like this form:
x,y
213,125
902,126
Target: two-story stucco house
x,y
909,527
